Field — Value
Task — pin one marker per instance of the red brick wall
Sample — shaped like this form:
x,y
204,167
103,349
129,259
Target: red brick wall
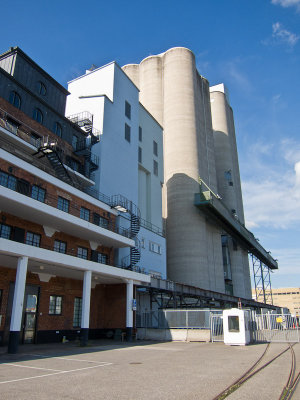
x,y
108,302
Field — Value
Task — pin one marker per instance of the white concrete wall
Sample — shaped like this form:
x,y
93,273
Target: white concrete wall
x,y
153,262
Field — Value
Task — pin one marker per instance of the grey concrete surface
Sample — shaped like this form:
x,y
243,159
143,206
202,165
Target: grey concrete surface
x,y
141,370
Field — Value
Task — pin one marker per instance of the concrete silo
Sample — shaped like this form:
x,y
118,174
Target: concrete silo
x,y
178,97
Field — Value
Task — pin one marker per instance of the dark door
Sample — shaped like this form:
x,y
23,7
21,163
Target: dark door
x,y
30,313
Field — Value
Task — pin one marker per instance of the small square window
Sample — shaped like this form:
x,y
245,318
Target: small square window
x,y
127,110
5,231
60,246
63,204
84,214
102,258
155,151
155,167
82,252
127,132
33,239
55,305
8,181
140,134
140,155
38,193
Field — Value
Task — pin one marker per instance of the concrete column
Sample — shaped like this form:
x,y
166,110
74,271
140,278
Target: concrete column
x,y
129,311
86,301
17,309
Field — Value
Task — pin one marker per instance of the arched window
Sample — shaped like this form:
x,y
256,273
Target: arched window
x,y
57,129
15,99
38,115
41,88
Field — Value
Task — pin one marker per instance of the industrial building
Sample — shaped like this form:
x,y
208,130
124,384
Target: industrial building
x,y
207,242
58,235
119,194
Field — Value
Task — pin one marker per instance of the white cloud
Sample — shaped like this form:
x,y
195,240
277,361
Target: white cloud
x,y
284,36
271,193
288,3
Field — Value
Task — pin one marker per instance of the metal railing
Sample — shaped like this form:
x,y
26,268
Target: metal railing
x,y
151,227
52,201
176,319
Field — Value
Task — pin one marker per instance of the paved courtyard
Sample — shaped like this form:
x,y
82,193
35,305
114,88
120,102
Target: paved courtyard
x,y
141,370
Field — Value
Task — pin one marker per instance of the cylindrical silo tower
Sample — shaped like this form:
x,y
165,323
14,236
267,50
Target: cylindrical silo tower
x,y
178,97
229,185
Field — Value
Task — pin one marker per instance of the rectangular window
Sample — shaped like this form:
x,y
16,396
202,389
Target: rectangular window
x,y
140,134
5,231
33,239
60,246
127,133
84,213
38,193
63,204
77,312
74,142
154,247
155,148
155,167
55,305
140,155
101,221
102,258
127,110
8,181
82,252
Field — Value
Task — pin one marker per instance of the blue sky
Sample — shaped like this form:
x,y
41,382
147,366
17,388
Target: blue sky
x,y
253,46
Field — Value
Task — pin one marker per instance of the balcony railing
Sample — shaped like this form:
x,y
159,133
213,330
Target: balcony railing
x,y
25,189
32,137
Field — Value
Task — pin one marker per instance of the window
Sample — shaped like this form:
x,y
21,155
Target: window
x,y
82,252
63,204
155,167
155,151
127,132
228,177
101,221
60,246
41,88
127,110
57,129
33,239
15,99
38,115
5,231
140,155
102,258
38,193
8,181
74,142
77,312
233,323
55,305
84,214
140,134
155,248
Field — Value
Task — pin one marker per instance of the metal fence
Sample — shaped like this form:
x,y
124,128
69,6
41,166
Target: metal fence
x,y
165,319
274,328
216,328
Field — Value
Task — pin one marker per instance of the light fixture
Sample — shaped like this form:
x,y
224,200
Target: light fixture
x,y
120,208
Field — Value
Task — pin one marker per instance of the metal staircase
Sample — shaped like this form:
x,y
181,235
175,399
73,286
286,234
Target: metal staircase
x,y
48,150
122,204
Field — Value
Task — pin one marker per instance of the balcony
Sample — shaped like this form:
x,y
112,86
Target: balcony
x,y
19,137
16,198
46,262
211,205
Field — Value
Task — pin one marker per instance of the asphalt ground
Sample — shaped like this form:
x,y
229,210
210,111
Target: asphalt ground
x,y
140,370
